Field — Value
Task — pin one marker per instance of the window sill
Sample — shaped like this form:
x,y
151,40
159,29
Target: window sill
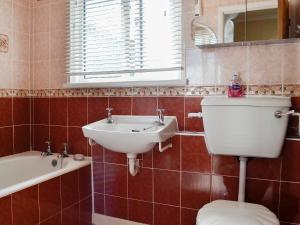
x,y
163,83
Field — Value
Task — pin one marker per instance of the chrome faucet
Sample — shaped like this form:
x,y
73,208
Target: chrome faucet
x,y
65,153
48,151
109,115
161,117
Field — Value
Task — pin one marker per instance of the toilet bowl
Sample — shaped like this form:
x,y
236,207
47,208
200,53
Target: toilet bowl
x,y
223,212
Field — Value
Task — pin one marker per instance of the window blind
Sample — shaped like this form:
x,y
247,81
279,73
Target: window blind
x,y
117,38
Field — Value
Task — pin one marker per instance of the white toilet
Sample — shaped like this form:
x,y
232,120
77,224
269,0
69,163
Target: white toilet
x,y
243,127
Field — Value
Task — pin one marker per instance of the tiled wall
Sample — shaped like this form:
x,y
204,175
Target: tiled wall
x,y
14,125
15,20
173,185
65,200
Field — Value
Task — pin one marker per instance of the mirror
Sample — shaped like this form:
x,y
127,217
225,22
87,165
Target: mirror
x,y
202,34
231,21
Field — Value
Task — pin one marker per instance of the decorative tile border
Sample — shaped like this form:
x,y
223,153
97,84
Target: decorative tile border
x,y
274,90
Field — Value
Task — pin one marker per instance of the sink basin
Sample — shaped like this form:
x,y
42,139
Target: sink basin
x,y
131,134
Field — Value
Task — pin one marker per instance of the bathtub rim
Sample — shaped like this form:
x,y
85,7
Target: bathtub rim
x,y
40,179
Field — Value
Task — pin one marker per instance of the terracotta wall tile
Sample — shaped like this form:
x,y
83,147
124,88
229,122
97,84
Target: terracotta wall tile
x,y
194,155
169,159
21,138
116,207
69,189
77,108
25,206
289,202
144,106
97,109
121,105
167,187
116,180
166,215
50,198
58,111
195,190
141,212
5,206
140,186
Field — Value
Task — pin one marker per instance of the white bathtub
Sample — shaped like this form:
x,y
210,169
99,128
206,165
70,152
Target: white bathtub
x,y
23,170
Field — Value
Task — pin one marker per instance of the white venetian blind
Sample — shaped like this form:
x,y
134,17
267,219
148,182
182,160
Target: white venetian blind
x,y
124,40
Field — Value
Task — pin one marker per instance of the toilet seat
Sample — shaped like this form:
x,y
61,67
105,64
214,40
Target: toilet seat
x,y
223,212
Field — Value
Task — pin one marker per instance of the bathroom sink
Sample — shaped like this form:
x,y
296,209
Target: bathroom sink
x,y
131,134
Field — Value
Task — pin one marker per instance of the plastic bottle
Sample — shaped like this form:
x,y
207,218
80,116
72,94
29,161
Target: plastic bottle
x,y
235,88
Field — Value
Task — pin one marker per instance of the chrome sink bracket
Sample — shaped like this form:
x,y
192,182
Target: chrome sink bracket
x,y
162,148
92,142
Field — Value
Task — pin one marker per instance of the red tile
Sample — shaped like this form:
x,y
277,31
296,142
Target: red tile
x,y
85,215
167,187
225,165
166,215
99,203
120,105
116,180
41,111
21,111
116,207
49,198
56,220
58,136
5,213
144,106
293,120
6,141
290,202
188,216
97,153
194,155
85,182
192,105
77,111
271,168
291,161
141,212
147,159
140,186
174,106
40,135
70,216
25,206
98,173
58,111
69,189
6,112
193,124
170,159
115,157
21,138
225,188
263,192
195,190
97,109
77,142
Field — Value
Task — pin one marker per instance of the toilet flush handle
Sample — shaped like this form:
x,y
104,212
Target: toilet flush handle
x,y
279,114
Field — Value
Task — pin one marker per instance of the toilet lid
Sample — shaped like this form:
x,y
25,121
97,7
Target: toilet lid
x,y
235,213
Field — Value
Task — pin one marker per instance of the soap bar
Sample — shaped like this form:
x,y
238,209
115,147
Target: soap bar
x,y
78,157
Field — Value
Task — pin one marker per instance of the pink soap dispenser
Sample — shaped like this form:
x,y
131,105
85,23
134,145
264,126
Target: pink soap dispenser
x,y
235,89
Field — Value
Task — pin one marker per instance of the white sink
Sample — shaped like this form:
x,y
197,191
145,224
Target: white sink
x,y
131,134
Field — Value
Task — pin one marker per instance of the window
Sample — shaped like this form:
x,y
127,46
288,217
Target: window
x,y
124,40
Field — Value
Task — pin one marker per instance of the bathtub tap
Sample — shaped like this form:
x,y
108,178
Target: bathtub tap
x,y
48,150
